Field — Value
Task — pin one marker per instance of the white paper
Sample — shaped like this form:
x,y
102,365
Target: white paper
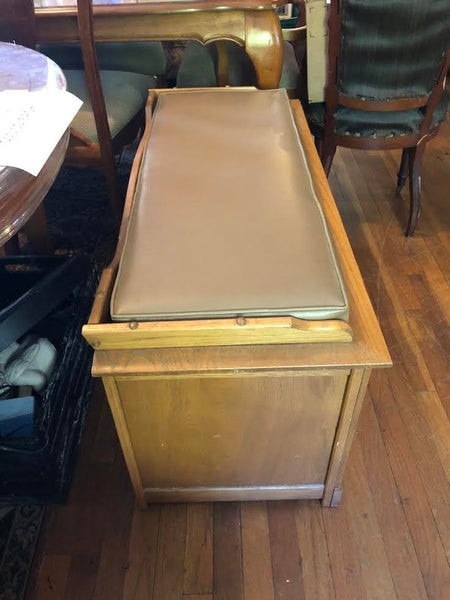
x,y
31,124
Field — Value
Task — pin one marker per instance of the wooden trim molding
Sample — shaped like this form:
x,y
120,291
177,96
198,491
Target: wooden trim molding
x,y
352,404
215,332
382,105
112,393
221,494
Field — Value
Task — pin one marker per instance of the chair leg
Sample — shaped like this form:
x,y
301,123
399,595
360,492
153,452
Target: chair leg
x,y
415,156
112,184
403,171
37,232
327,155
11,247
222,64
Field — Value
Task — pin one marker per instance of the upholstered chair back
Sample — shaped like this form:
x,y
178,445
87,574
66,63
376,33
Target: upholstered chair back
x,y
146,58
391,48
388,61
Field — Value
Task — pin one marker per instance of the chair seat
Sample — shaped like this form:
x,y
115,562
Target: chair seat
x,y
198,66
125,95
376,124
236,227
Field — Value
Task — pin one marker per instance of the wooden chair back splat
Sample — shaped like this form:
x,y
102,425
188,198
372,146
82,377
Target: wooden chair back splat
x,y
92,73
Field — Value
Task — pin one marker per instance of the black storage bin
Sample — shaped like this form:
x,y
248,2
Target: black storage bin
x,y
50,296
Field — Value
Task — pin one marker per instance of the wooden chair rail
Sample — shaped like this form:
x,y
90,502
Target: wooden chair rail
x,y
382,105
380,143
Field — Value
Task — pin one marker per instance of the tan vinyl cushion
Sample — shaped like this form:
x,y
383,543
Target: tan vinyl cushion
x,y
225,221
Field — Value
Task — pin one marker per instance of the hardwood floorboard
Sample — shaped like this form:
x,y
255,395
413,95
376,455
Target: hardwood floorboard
x,y
312,544
198,563
114,561
375,570
387,506
345,560
228,576
286,560
350,208
389,539
82,576
140,576
256,552
54,570
169,572
421,439
418,512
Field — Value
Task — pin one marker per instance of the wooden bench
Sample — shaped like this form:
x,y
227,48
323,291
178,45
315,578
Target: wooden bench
x,y
232,330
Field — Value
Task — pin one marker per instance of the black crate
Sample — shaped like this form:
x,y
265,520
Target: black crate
x,y
50,296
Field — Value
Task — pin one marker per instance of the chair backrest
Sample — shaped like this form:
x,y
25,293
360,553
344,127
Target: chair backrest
x,y
392,48
146,58
92,74
17,22
387,55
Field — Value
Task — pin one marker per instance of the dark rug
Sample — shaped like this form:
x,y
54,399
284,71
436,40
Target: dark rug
x,y
79,213
80,221
19,531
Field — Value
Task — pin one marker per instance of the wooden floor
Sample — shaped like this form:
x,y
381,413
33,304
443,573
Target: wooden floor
x,y
389,539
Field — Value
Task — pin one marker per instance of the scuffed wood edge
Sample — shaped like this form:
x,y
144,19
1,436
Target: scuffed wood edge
x,y
112,393
348,420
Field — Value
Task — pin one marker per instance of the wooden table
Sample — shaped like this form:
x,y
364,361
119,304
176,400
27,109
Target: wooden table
x,y
21,194
253,24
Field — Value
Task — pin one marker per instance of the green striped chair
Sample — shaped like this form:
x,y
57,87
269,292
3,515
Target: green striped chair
x,y
388,61
113,80
127,71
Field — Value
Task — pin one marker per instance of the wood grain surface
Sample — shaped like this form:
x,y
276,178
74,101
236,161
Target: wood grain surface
x,y
231,432
215,332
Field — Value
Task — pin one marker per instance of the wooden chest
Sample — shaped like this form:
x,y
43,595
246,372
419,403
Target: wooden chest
x,y
241,406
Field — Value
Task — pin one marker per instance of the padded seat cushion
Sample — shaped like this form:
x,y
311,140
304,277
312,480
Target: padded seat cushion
x,y
125,94
225,221
381,124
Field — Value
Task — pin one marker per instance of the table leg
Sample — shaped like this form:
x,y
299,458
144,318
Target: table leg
x,y
37,232
11,247
222,64
264,45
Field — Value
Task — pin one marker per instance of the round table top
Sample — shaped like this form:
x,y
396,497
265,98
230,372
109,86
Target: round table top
x,y
21,193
